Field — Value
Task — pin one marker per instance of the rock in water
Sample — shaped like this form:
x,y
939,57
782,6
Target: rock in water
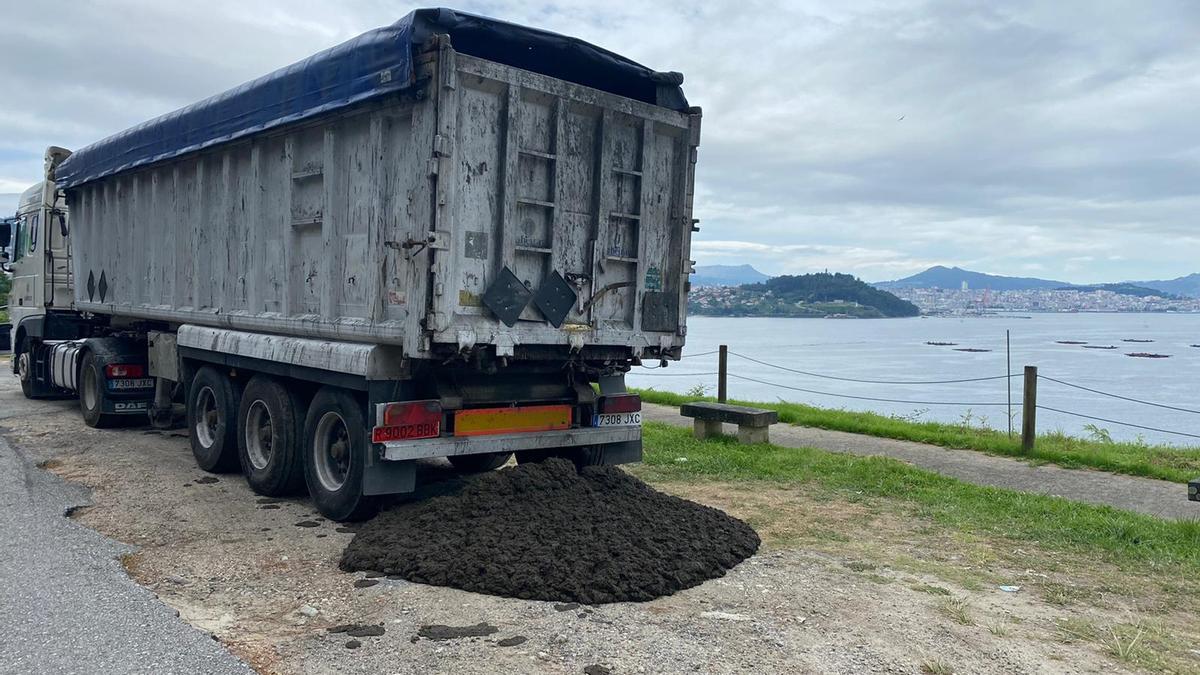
x,y
548,532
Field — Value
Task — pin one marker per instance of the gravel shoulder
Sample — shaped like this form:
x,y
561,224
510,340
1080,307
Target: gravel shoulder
x,y
839,587
69,607
1132,493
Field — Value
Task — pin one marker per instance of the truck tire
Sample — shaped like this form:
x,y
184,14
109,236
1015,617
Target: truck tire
x,y
487,461
270,425
25,374
91,394
212,421
335,454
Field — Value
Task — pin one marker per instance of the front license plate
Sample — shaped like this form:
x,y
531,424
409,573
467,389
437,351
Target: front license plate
x,y
629,419
133,383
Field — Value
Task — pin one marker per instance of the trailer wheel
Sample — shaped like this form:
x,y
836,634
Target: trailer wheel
x,y
335,453
270,425
91,394
487,461
212,423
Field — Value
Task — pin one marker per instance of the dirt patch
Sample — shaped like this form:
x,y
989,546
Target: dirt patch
x,y
839,585
548,532
439,632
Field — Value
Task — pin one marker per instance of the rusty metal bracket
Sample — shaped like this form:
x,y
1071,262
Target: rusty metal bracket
x,y
411,247
600,293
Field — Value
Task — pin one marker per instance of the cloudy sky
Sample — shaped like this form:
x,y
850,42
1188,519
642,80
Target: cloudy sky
x,y
1056,139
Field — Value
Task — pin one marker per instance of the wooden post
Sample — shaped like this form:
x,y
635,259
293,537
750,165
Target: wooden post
x,y
722,373
1008,377
1029,409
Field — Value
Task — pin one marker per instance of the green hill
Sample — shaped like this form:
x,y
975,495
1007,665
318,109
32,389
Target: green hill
x,y
807,295
1122,289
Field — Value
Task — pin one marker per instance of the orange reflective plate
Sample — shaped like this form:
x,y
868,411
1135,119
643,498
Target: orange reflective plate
x,y
481,421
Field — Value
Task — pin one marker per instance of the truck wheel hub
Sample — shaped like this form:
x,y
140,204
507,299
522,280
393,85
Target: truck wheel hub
x,y
332,451
23,366
259,434
206,420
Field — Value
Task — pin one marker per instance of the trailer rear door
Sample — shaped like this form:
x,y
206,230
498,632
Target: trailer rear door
x,y
563,214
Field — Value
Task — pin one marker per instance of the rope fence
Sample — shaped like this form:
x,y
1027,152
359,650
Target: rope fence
x,y
851,379
1127,424
860,398
1123,398
1029,402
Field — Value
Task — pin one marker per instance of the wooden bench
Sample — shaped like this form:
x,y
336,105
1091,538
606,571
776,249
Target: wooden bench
x,y
752,423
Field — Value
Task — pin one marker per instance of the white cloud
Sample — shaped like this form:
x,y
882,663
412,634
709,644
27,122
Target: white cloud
x,y
1032,132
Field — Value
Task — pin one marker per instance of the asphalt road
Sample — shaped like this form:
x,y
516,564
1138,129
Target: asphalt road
x,y
66,604
1144,495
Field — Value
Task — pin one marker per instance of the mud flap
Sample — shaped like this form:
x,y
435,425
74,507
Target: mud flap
x,y
629,452
382,477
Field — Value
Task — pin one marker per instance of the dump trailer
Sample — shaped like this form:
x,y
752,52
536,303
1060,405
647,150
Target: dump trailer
x,y
449,237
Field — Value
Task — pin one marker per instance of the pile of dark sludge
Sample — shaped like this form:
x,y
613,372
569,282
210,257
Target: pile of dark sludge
x,y
549,532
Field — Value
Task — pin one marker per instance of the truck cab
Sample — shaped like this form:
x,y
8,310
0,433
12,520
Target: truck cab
x,y
37,255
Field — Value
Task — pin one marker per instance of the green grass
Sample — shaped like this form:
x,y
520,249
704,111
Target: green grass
x,y
1177,464
1127,539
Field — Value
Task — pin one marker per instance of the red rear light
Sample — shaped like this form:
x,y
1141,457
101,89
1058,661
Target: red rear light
x,y
124,370
619,403
407,420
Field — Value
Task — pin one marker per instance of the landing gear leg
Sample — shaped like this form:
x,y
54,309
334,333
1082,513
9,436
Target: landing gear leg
x,y
162,413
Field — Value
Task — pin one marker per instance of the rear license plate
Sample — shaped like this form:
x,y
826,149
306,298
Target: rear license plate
x,y
629,419
534,418
132,383
404,432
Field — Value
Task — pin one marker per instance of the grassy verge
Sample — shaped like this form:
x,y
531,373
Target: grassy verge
x,y
1129,540
1178,464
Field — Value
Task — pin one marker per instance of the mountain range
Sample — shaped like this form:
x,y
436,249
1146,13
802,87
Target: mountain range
x,y
953,277
1188,286
727,275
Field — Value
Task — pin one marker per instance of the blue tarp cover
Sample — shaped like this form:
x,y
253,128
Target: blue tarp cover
x,y
375,63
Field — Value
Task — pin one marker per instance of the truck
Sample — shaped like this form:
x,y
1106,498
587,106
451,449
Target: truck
x,y
448,237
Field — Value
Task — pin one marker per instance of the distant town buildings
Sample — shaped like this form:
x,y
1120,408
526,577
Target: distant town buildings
x,y
966,301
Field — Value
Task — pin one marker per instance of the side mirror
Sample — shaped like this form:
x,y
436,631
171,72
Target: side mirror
x,y
62,222
5,234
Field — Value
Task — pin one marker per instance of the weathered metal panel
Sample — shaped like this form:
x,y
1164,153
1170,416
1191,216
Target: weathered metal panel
x,y
365,360
556,178
388,222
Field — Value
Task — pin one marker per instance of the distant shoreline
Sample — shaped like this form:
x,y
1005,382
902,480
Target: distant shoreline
x,y
998,314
